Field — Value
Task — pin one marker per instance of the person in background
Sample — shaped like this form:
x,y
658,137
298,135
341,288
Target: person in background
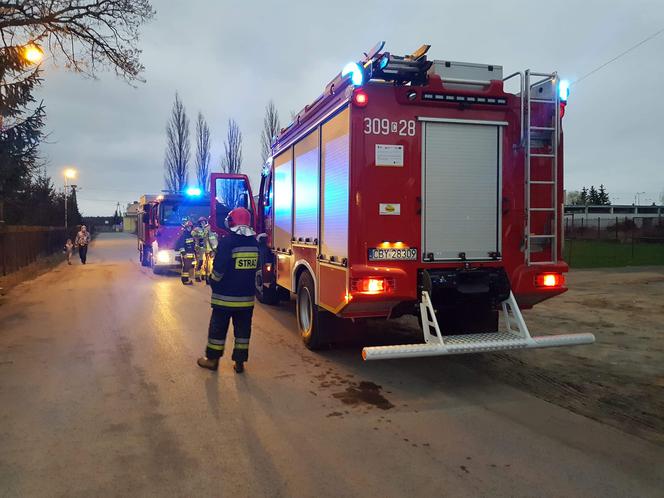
x,y
69,249
82,241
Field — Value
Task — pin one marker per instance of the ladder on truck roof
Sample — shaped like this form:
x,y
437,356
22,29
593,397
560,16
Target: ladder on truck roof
x,y
543,92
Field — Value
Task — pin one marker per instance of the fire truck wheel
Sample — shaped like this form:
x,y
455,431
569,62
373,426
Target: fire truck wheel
x,y
309,321
264,294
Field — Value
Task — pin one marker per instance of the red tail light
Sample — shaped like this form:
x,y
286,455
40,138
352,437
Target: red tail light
x,y
550,280
371,285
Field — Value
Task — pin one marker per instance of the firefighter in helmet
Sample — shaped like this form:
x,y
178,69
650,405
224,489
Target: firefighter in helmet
x,y
206,244
187,247
199,240
232,282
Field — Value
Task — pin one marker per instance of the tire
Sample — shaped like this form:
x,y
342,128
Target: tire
x,y
311,322
265,294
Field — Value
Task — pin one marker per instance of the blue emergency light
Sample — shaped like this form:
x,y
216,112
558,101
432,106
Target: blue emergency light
x,y
193,191
563,90
356,73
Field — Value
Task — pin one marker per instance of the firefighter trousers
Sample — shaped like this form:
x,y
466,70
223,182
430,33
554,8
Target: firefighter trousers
x,y
188,259
219,322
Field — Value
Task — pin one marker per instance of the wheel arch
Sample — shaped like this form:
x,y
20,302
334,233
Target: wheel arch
x,y
299,268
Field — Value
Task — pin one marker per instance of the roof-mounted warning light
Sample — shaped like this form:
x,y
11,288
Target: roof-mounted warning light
x,y
563,90
193,192
356,73
410,68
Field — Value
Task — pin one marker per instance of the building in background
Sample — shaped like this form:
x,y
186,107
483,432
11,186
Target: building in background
x,y
129,217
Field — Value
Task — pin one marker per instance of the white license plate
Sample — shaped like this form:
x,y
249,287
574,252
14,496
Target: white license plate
x,y
378,254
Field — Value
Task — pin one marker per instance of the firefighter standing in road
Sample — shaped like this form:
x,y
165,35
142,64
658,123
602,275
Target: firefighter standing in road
x,y
232,283
199,239
206,244
187,247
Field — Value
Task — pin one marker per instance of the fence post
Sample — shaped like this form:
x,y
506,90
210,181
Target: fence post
x,y
616,228
599,228
633,225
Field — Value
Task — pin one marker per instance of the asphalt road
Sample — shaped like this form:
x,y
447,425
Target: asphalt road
x,y
100,396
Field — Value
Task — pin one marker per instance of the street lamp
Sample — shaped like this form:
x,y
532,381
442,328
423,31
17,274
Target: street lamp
x,y
33,53
637,198
70,174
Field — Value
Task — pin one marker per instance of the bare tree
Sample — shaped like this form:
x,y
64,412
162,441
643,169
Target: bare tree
x,y
231,193
176,162
87,34
202,152
271,127
231,161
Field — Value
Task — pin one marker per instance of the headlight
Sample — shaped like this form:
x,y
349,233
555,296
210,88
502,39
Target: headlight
x,y
163,257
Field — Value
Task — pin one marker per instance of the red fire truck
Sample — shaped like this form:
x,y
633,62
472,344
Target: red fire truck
x,y
422,187
160,220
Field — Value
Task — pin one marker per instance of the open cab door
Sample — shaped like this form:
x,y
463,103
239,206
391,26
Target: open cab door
x,y
227,192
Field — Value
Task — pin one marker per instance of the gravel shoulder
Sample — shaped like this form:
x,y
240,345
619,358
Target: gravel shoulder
x,y
619,380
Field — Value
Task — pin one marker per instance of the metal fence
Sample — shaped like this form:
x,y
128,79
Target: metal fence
x,y
613,240
617,228
22,245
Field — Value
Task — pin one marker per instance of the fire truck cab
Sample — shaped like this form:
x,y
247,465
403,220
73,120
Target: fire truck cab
x,y
160,224
422,187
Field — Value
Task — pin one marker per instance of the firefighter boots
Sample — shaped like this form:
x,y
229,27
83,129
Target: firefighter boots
x,y
204,362
238,366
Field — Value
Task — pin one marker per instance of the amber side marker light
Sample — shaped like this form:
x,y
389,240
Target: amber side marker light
x,y
550,280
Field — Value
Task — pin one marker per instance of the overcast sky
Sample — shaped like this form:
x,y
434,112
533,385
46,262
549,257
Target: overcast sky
x,y
228,59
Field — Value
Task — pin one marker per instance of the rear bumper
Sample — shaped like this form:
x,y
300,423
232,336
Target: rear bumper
x,y
476,343
448,287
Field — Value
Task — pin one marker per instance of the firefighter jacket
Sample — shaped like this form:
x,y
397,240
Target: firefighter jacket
x,y
199,238
234,272
205,238
186,241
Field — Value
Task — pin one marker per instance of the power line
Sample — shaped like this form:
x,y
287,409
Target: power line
x,y
645,40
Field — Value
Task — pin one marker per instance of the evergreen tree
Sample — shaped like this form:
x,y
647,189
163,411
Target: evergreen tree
x,y
583,198
603,196
21,123
593,198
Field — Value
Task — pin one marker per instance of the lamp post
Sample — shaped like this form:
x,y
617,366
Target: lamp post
x,y
637,198
70,174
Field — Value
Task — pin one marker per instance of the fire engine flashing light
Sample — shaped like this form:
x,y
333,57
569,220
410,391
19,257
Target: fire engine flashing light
x,y
550,280
356,73
193,191
563,90
160,197
360,99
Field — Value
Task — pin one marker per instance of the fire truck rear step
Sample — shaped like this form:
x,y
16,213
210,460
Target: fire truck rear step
x,y
516,336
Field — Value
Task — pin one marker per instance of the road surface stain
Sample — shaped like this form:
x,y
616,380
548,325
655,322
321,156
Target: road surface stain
x,y
364,393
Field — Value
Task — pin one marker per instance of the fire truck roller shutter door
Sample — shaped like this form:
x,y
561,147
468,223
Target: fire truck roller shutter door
x,y
461,174
335,171
335,188
283,215
306,188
